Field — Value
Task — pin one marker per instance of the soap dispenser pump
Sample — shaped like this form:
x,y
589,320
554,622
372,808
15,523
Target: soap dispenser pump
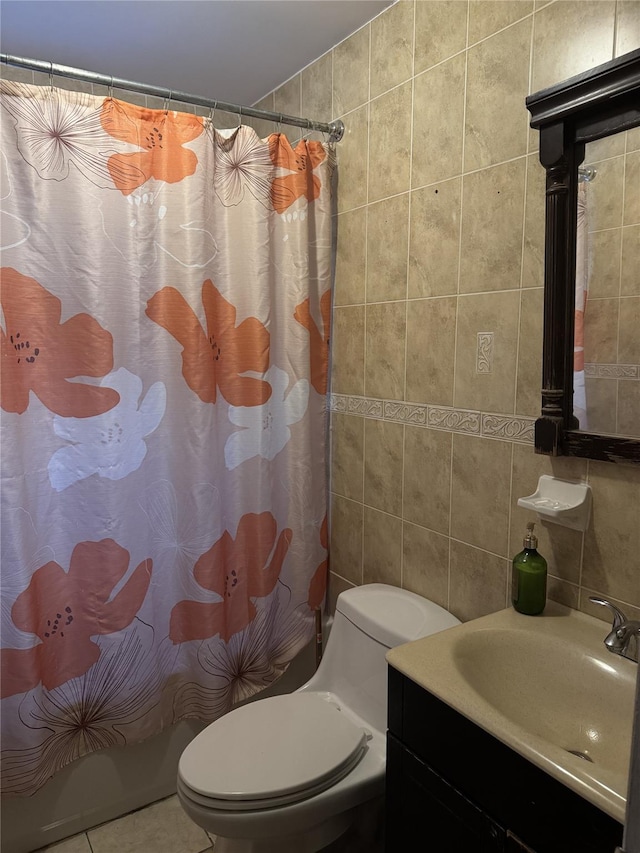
x,y
529,577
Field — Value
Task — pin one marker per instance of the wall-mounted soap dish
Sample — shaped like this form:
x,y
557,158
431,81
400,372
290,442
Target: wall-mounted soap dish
x,y
565,502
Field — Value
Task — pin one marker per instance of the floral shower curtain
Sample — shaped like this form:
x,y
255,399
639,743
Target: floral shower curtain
x,y
165,322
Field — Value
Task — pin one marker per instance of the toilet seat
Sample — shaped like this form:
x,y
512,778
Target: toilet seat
x,y
269,753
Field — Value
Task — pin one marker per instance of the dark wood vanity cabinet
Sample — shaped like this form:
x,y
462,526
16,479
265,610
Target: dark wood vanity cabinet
x,y
451,786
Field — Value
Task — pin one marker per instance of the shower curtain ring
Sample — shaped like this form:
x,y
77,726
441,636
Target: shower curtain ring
x,y
239,117
110,89
279,125
167,102
51,76
212,112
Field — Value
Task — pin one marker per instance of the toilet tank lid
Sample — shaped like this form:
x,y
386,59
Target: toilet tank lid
x,y
392,615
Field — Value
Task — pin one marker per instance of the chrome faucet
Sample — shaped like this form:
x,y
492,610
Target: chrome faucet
x,y
623,638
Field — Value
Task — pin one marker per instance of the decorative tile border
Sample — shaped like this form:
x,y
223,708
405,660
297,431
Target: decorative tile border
x,y
337,403
365,406
612,371
406,413
447,418
503,426
454,420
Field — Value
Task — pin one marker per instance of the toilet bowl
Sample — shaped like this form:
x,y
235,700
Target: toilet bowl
x,y
288,774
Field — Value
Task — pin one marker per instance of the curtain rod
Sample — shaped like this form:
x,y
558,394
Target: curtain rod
x,y
335,129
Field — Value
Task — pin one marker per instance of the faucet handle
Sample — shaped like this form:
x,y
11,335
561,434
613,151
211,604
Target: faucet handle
x,y
618,615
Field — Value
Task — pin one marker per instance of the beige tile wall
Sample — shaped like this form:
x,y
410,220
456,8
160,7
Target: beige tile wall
x,y
438,301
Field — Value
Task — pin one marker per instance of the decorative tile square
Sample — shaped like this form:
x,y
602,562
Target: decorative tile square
x,y
484,352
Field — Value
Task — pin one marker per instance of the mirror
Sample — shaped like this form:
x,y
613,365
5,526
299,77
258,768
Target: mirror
x,y
590,148
606,385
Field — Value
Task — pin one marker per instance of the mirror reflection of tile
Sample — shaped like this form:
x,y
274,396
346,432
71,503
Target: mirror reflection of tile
x,y
611,175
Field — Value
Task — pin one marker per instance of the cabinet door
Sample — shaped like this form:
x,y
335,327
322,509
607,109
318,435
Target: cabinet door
x,y
515,845
424,813
540,810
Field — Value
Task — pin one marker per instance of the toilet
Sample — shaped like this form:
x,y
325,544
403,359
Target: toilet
x,y
288,774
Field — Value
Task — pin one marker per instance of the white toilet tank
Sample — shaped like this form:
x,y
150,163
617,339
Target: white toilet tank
x,y
370,620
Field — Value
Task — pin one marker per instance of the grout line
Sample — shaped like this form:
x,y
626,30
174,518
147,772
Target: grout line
x,y
402,515
613,227
366,238
509,517
406,313
475,43
624,185
583,537
366,288
408,252
364,462
451,452
471,294
441,181
620,265
522,251
457,296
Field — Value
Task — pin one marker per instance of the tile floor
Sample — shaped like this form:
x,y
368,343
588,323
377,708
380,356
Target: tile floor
x,y
162,827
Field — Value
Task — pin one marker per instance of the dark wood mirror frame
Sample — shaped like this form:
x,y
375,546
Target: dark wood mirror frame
x,y
592,105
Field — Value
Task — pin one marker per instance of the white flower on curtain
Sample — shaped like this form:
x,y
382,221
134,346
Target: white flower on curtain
x,y
249,662
94,711
13,230
266,428
55,129
112,444
243,163
183,525
158,223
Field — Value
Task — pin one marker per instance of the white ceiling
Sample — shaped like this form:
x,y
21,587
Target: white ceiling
x,y
230,50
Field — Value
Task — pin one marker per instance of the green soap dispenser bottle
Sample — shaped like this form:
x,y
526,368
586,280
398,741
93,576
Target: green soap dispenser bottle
x,y
529,577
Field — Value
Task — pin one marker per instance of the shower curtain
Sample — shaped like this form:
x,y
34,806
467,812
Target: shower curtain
x,y
165,327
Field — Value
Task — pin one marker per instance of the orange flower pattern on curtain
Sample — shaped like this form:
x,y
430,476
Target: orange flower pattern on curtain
x,y
300,163
164,371
160,134
65,609
39,353
215,358
237,569
318,340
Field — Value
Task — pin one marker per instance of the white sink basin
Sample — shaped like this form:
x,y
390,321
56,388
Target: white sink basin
x,y
544,685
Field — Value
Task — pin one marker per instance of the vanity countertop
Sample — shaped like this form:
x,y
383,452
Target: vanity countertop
x,y
546,686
